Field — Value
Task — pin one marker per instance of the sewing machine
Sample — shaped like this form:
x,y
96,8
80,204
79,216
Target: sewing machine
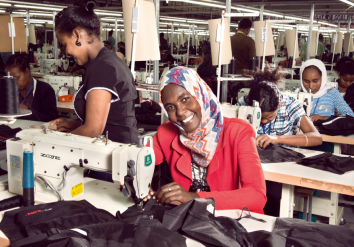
x,y
60,160
305,100
57,82
251,114
51,65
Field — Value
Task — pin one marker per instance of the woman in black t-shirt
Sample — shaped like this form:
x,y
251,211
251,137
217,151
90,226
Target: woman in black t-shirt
x,y
105,100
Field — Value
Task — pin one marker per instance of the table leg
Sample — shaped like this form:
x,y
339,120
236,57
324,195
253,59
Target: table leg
x,y
287,201
337,148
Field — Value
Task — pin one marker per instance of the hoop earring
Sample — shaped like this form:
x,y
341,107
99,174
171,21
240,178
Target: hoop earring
x,y
78,43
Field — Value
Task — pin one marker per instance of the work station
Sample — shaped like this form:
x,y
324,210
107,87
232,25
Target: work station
x,y
176,123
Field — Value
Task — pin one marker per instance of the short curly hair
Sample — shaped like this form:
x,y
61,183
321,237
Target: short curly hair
x,y
265,89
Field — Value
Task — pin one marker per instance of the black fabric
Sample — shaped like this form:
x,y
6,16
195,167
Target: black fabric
x,y
110,73
7,132
329,162
336,126
35,220
147,113
289,232
194,220
278,154
349,96
44,104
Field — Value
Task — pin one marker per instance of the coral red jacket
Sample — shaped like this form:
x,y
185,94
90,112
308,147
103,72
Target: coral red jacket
x,y
235,174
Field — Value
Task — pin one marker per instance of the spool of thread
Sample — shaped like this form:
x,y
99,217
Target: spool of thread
x,y
290,65
253,64
28,179
233,66
9,102
162,57
31,56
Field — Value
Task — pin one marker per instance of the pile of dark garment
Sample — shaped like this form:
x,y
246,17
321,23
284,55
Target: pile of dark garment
x,y
79,224
325,161
148,113
335,126
6,133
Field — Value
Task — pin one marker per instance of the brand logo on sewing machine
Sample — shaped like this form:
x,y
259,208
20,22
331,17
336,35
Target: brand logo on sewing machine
x,y
258,115
50,156
148,160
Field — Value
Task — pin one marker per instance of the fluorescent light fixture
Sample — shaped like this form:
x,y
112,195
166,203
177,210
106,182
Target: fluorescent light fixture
x,y
118,25
2,11
206,4
328,24
198,22
176,24
107,13
293,18
348,2
5,4
272,14
233,25
110,19
168,19
243,9
37,7
40,14
19,13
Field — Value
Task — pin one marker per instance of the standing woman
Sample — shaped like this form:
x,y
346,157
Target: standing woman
x,y
105,101
34,95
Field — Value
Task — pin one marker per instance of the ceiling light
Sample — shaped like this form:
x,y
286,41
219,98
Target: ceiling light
x,y
109,19
2,11
37,7
348,2
167,19
19,13
243,9
206,4
293,18
107,13
272,14
198,22
41,14
328,24
5,4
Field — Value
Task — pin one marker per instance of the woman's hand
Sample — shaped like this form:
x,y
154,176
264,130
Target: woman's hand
x,y
175,194
150,195
22,106
65,124
264,140
316,117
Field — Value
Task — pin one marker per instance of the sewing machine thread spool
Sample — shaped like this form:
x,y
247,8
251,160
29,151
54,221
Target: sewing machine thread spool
x,y
252,64
31,56
9,102
28,179
233,66
290,65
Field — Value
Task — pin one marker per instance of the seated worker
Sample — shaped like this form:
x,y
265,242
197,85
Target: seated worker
x,y
121,48
108,45
34,95
209,156
327,100
105,101
345,70
282,115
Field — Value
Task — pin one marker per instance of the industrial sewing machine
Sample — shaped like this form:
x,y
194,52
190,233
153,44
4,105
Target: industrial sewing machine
x,y
58,82
51,65
60,160
251,114
305,100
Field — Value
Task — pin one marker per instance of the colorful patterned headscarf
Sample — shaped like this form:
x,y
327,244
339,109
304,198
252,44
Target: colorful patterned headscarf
x,y
204,140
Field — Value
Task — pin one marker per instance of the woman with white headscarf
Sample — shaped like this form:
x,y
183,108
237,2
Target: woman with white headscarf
x,y
209,156
327,100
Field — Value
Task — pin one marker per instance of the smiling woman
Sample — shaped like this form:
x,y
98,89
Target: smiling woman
x,y
210,156
105,100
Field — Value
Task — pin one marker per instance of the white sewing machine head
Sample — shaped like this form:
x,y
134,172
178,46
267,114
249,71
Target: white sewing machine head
x,y
57,82
61,159
251,114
